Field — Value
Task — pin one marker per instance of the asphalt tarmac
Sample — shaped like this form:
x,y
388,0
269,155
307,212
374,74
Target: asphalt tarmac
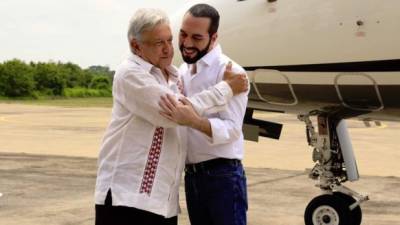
x,y
48,169
50,190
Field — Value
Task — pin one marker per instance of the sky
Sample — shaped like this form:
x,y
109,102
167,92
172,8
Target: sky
x,y
85,32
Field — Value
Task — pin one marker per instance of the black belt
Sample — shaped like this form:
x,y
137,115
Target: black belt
x,y
210,164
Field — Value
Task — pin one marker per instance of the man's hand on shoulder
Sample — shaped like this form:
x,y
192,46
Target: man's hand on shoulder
x,y
237,81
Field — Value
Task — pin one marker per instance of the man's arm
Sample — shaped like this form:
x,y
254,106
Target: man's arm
x,y
139,92
184,114
216,98
227,127
222,129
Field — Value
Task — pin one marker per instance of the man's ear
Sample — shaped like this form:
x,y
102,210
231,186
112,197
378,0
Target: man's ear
x,y
135,46
214,38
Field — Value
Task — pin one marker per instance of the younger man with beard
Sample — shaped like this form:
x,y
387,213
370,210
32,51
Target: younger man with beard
x,y
215,180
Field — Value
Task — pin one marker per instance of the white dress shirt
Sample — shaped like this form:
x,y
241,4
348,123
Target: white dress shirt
x,y
143,154
227,138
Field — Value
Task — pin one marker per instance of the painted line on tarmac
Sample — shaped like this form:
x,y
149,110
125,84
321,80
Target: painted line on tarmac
x,y
6,119
374,126
277,179
383,126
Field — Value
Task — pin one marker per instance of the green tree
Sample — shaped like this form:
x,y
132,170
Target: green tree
x,y
87,77
17,79
72,74
48,79
2,80
101,82
101,71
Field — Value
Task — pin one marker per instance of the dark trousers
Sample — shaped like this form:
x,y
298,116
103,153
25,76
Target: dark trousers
x,y
216,193
120,215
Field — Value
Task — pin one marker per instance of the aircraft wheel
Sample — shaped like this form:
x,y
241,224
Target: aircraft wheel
x,y
328,210
356,213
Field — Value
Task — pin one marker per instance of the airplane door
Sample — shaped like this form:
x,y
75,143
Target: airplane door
x,y
358,91
272,86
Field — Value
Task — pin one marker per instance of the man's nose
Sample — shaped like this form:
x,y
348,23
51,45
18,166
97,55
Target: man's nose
x,y
167,48
187,43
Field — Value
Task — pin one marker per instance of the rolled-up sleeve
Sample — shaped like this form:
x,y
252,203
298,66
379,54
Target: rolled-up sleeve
x,y
228,126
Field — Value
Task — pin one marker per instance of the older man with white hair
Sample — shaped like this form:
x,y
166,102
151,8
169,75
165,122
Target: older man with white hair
x,y
143,154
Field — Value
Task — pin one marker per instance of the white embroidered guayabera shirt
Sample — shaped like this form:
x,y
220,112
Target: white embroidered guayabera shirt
x,y
143,154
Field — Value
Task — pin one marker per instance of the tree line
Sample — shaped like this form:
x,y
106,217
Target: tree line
x,y
48,79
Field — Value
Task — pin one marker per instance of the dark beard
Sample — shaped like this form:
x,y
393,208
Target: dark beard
x,y
199,55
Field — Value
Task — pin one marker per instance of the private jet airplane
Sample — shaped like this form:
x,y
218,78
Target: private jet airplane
x,y
326,59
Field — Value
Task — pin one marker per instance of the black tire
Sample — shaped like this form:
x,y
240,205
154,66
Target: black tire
x,y
356,213
328,210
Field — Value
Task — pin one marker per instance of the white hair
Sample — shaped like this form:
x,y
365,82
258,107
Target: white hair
x,y
143,20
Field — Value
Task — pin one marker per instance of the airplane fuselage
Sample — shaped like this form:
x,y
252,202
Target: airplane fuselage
x,y
330,59
311,55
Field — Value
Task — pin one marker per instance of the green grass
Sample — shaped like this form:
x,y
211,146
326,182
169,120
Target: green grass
x,y
86,92
105,102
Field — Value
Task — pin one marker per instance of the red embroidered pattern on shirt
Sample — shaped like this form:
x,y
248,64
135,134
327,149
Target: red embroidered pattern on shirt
x,y
152,162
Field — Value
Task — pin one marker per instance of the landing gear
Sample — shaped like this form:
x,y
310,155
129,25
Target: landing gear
x,y
327,210
335,164
356,213
332,209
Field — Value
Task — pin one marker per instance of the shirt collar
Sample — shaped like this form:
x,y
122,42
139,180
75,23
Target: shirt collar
x,y
173,73
141,62
210,57
148,67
